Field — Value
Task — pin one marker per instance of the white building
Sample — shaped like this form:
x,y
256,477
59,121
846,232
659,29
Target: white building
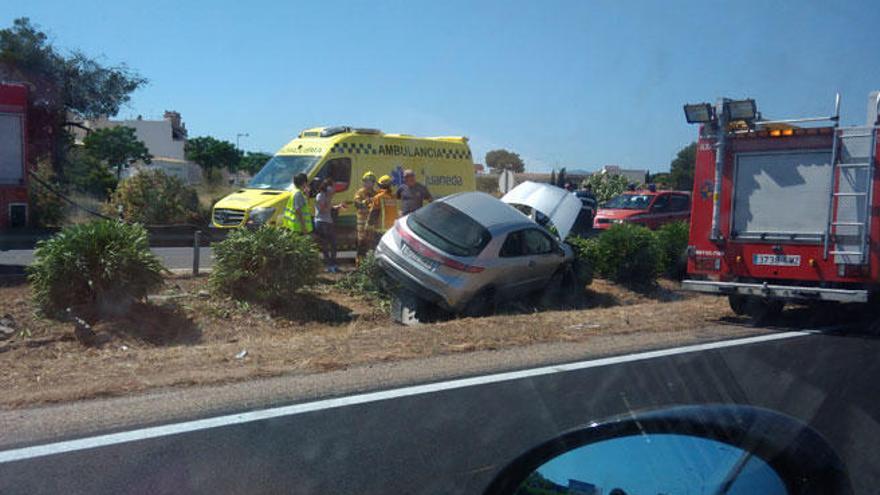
x,y
635,176
165,139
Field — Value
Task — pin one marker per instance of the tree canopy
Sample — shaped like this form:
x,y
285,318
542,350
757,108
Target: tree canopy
x,y
117,147
252,162
72,83
681,170
502,159
213,154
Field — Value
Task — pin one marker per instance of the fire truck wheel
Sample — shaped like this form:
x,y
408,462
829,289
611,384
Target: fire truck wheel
x,y
762,311
737,304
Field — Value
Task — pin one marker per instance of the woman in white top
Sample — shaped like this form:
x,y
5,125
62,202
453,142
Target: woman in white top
x,y
324,229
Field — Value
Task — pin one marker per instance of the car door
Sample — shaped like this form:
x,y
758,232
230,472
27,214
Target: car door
x,y
659,212
679,207
543,257
514,275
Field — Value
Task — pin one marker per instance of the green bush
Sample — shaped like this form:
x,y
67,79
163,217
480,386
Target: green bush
x,y
606,186
93,264
672,240
586,258
88,175
267,265
153,197
628,254
368,280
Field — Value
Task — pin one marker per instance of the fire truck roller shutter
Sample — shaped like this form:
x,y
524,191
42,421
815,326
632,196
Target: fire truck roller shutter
x,y
782,194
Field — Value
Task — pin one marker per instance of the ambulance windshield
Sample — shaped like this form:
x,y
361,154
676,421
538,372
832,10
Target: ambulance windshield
x,y
278,172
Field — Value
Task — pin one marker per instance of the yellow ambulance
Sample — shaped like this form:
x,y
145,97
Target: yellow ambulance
x,y
443,164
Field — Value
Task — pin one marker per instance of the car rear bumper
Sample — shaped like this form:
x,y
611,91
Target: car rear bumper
x,y
391,264
786,292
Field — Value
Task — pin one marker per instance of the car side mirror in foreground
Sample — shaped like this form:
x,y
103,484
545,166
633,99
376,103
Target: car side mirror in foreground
x,y
719,449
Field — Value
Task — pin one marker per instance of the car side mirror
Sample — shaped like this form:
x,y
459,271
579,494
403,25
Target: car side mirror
x,y
717,449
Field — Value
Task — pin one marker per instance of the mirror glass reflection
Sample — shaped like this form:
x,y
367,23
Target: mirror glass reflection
x,y
655,464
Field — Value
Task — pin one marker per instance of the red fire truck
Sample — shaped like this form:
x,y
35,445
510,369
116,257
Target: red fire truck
x,y
785,210
13,156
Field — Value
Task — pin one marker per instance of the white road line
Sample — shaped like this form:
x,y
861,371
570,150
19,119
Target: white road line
x,y
275,412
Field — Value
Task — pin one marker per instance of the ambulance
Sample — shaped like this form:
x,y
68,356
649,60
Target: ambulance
x,y
443,164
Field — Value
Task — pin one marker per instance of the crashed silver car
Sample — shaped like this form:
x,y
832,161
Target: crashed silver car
x,y
469,250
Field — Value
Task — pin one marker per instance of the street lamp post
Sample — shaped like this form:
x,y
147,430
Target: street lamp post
x,y
238,136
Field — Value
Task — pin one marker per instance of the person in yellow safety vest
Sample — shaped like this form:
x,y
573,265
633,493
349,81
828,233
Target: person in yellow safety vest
x,y
362,200
383,209
297,216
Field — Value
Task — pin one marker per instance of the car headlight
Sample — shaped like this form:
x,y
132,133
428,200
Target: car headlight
x,y
617,220
259,216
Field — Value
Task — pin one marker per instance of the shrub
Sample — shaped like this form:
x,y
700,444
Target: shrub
x,y
267,265
586,258
152,197
672,240
628,254
368,280
96,264
88,175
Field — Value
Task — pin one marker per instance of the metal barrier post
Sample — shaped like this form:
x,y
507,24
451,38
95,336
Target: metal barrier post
x,y
196,251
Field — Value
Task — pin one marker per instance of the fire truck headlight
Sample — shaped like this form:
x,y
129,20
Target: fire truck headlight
x,y
699,113
259,216
742,109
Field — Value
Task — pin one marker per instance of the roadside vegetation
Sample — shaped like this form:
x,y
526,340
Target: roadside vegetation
x,y
267,265
93,268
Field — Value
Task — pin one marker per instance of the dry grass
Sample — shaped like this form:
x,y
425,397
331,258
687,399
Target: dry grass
x,y
185,338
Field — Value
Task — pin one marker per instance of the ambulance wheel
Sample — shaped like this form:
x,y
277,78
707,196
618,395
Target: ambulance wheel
x,y
737,304
762,311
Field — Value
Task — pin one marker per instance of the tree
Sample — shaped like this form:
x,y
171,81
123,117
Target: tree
x,y
64,85
560,178
252,162
213,154
501,159
606,186
90,175
117,147
681,170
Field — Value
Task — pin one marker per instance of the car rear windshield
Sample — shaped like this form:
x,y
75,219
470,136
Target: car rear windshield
x,y
448,229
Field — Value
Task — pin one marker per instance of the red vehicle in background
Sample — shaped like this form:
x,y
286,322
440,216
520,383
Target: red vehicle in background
x,y
13,155
649,208
783,213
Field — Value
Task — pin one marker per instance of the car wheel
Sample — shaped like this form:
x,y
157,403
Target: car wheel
x,y
762,311
737,304
562,287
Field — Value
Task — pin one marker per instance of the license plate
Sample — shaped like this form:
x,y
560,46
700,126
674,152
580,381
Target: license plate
x,y
777,259
418,258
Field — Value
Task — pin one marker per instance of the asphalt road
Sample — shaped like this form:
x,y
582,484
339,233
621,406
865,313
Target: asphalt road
x,y
454,440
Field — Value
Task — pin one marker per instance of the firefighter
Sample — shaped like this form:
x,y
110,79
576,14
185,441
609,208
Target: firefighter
x,y
297,216
362,200
383,208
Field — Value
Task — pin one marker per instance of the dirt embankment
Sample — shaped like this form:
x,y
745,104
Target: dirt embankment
x,y
185,336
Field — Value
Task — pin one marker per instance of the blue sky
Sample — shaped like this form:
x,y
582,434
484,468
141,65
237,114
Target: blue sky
x,y
578,84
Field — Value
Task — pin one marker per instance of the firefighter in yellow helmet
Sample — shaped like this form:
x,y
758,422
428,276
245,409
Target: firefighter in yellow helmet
x,y
383,208
362,201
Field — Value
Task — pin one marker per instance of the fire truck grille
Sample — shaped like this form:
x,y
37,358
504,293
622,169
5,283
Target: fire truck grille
x,y
228,217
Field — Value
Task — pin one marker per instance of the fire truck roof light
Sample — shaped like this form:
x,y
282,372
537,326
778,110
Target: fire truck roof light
x,y
699,113
741,109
